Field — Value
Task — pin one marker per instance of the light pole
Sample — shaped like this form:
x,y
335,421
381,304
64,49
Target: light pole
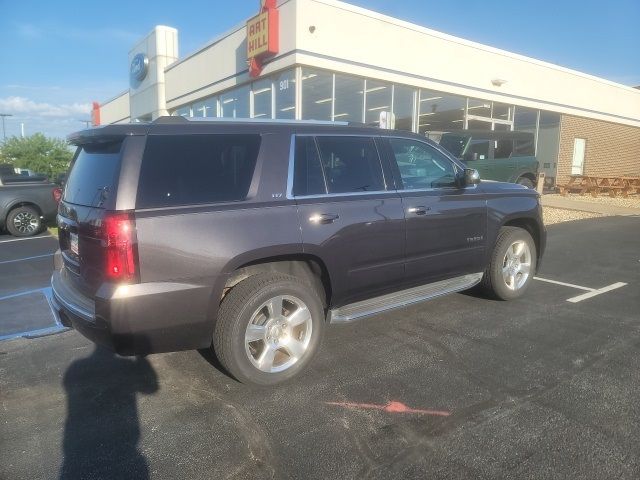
x,y
86,122
4,133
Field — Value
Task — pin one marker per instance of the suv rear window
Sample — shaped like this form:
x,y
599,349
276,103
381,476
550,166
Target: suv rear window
x,y
94,174
193,169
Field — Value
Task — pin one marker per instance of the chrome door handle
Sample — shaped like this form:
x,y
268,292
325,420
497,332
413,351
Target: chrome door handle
x,y
324,218
419,210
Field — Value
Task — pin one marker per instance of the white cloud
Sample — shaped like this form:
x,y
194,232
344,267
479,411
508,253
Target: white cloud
x,y
26,107
107,34
52,119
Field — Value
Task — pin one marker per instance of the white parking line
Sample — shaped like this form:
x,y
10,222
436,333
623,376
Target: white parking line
x,y
26,292
24,239
564,284
27,258
591,292
584,296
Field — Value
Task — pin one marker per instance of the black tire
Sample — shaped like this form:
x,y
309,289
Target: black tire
x,y
17,222
237,310
493,282
526,182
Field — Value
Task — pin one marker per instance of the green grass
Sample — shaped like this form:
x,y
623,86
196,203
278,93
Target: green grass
x,y
53,231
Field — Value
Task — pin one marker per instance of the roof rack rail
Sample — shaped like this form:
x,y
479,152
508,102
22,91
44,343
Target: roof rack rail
x,y
178,119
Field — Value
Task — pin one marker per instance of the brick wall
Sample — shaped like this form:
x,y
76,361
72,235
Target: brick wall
x,y
611,149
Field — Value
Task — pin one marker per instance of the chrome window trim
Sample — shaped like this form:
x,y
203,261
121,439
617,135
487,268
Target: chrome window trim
x,y
290,172
346,194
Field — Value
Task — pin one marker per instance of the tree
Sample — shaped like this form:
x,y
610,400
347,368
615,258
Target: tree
x,y
49,156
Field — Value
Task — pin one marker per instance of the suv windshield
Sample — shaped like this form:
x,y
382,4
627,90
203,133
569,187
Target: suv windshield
x,y
454,143
94,174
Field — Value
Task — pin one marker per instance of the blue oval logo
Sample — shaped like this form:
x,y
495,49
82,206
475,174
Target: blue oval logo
x,y
139,67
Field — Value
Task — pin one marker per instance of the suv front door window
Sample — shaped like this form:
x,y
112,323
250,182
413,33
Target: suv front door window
x,y
445,223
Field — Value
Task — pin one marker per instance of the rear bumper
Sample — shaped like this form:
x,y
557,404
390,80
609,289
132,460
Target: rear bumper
x,y
137,319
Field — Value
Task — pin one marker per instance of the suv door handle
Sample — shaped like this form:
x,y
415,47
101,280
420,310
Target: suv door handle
x,y
419,210
324,218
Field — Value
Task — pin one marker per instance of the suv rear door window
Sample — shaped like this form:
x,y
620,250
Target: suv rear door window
x,y
308,175
350,164
196,169
422,166
94,174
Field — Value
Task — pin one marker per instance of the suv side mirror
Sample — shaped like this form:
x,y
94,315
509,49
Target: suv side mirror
x,y
470,156
471,177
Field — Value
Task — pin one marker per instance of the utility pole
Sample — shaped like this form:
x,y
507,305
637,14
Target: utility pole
x,y
4,133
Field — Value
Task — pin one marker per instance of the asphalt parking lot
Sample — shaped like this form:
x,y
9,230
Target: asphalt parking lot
x,y
462,387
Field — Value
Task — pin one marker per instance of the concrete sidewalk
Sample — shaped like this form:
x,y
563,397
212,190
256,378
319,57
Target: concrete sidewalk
x,y
586,206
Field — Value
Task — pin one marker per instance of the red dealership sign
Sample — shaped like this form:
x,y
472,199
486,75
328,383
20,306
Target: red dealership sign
x,y
262,36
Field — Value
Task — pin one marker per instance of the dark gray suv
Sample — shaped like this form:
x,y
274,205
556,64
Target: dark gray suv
x,y
249,237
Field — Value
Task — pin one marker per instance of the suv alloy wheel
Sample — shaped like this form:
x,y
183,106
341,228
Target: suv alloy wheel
x,y
269,327
512,264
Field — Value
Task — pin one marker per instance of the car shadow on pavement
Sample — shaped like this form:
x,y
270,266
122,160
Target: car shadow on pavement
x,y
102,428
210,356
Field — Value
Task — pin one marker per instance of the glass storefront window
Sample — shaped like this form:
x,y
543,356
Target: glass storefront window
x,y
478,125
479,108
378,99
440,112
349,97
182,111
403,98
285,89
317,96
235,103
525,119
502,111
548,142
262,99
206,108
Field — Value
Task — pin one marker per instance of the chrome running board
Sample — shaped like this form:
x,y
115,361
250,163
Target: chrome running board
x,y
403,298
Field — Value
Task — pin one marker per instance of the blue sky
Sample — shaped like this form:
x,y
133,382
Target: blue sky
x,y
58,56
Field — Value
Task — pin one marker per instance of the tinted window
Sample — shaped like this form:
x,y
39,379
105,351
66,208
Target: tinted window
x,y
480,148
192,169
524,148
350,164
422,166
94,174
503,148
308,177
455,144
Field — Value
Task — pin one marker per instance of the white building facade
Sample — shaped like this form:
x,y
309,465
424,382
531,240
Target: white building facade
x,y
335,61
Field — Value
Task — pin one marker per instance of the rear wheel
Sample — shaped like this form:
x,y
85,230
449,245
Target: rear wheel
x,y
512,264
525,182
269,327
23,222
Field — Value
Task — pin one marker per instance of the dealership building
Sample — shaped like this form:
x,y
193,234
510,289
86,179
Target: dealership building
x,y
329,60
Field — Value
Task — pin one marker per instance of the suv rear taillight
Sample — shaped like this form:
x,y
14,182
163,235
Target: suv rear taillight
x,y
119,235
57,194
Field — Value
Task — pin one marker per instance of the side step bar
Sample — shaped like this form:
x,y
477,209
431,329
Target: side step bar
x,y
403,298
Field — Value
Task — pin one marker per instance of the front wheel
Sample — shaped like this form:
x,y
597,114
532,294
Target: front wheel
x,y
526,182
269,327
512,264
